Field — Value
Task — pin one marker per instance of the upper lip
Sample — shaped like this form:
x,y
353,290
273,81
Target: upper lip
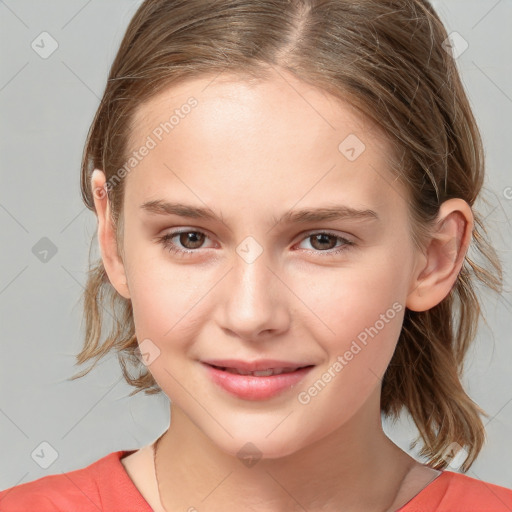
x,y
253,366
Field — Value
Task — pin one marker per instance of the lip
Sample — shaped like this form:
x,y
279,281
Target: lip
x,y
249,387
253,366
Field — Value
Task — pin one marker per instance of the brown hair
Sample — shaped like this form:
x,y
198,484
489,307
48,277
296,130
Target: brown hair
x,y
386,58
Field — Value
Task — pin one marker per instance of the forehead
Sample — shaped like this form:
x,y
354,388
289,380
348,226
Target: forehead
x,y
279,135
235,95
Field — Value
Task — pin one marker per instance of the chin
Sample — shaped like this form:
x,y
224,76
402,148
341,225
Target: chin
x,y
250,449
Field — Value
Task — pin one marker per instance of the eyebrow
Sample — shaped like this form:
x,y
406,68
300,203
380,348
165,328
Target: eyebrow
x,y
161,207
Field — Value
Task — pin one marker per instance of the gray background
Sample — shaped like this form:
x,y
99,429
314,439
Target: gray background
x,y
47,105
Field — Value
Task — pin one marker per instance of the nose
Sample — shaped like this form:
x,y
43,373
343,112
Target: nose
x,y
254,303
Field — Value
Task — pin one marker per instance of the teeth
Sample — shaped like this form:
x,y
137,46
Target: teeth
x,y
261,373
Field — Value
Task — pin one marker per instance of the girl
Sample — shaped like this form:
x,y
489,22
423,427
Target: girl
x,y
284,192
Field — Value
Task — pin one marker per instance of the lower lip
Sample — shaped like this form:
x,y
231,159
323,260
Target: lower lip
x,y
250,387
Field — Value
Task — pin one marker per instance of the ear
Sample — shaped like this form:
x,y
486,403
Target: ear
x,y
112,262
438,267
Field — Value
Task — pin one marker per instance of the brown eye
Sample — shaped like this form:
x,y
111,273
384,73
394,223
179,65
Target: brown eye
x,y
186,244
191,239
326,243
321,241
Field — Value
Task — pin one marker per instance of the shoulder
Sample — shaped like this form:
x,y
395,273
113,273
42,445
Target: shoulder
x,y
477,492
456,492
102,485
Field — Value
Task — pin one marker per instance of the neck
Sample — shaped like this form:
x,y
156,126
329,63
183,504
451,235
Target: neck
x,y
354,468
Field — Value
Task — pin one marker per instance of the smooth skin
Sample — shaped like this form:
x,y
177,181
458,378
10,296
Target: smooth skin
x,y
252,152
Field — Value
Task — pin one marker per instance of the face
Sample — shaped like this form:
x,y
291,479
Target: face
x,y
256,279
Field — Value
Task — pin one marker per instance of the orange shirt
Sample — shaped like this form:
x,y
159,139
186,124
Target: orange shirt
x,y
105,486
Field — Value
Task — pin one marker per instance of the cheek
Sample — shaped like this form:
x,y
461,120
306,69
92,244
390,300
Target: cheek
x,y
358,311
162,313
165,298
361,317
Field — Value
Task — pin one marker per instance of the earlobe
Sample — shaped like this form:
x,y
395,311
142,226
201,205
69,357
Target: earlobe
x,y
112,261
438,268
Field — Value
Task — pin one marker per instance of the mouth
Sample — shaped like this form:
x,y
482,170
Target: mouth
x,y
260,373
260,384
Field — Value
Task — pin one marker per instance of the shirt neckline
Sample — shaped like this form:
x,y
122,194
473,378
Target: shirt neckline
x,y
118,456
404,508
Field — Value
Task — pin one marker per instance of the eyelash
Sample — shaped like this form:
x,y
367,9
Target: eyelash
x,y
165,240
